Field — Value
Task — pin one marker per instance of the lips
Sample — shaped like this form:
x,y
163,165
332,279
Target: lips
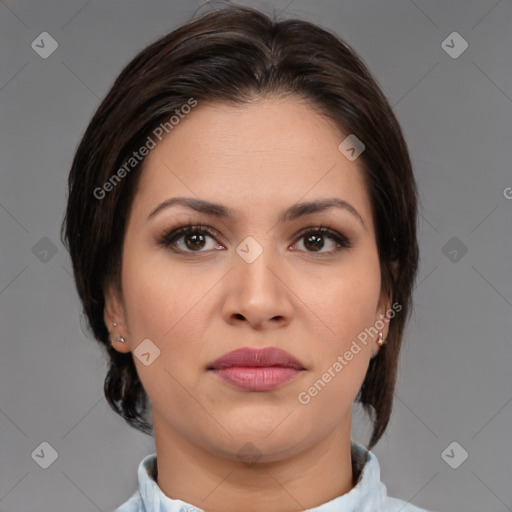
x,y
256,358
256,369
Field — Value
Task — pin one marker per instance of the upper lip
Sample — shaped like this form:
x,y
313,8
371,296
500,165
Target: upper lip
x,y
271,356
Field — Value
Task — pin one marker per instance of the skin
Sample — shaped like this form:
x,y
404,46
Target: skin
x,y
257,159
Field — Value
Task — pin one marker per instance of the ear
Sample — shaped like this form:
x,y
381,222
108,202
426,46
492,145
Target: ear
x,y
114,312
384,306
385,301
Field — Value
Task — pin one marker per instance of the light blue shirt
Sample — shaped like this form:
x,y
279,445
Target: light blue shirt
x,y
369,494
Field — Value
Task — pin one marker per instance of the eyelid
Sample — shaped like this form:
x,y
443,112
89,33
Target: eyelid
x,y
173,233
180,230
328,232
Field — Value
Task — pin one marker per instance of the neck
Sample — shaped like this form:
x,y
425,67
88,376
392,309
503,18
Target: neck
x,y
222,483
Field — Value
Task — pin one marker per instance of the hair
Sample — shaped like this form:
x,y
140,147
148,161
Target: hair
x,y
236,55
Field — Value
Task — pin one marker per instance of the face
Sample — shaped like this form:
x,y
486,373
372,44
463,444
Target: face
x,y
255,278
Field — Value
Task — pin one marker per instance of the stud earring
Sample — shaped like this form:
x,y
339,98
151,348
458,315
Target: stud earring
x,y
121,339
381,340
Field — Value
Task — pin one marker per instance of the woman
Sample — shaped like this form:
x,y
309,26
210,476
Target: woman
x,y
242,225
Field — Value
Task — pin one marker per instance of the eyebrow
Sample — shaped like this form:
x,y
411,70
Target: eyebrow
x,y
293,212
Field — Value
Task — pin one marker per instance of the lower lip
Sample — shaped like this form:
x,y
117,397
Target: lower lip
x,y
256,379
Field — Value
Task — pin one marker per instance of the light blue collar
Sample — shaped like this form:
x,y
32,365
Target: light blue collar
x,y
368,495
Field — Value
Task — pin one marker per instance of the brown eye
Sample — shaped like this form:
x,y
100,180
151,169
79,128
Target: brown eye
x,y
314,240
195,239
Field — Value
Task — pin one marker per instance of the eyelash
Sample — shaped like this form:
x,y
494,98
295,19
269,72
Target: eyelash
x,y
168,239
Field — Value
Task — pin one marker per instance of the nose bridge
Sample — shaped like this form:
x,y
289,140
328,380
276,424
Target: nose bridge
x,y
257,291
257,263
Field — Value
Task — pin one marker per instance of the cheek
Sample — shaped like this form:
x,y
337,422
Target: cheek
x,y
340,358
166,306
161,309
347,301
155,295
151,306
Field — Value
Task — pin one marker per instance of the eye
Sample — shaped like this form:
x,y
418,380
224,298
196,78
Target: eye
x,y
314,240
194,239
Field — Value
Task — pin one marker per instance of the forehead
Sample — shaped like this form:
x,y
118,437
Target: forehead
x,y
272,151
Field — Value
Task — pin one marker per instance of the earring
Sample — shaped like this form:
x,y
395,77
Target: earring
x,y
121,339
381,340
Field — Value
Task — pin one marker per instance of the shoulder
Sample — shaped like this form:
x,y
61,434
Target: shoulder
x,y
134,504
396,505
143,498
373,491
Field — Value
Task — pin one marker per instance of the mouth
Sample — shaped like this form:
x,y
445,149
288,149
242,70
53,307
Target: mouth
x,y
256,369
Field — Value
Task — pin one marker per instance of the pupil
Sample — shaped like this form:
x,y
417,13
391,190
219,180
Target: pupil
x,y
196,243
314,242
317,241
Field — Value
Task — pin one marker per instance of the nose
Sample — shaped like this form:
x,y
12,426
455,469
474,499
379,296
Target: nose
x,y
258,292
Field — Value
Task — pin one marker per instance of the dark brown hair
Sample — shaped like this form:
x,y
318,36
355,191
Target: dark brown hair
x,y
235,55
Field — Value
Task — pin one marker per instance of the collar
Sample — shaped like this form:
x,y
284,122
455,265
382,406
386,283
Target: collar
x,y
367,495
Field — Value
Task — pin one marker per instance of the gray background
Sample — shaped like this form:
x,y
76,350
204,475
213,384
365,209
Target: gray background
x,y
455,380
